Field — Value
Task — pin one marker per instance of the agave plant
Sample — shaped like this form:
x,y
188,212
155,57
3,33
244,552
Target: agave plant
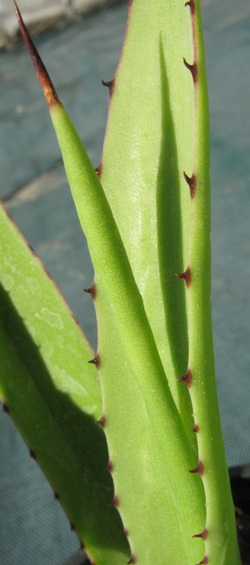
x,y
149,484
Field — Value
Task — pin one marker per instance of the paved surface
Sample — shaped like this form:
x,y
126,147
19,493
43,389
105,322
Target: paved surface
x,y
78,58
42,14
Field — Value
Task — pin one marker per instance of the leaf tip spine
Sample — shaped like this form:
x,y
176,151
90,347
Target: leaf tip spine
x,y
42,74
204,561
199,469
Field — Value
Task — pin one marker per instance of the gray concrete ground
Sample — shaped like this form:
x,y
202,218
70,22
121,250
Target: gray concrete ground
x,y
42,14
34,189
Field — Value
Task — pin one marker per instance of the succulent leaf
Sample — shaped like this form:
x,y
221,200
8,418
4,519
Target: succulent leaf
x,y
146,486
149,140
146,214
221,540
53,395
117,293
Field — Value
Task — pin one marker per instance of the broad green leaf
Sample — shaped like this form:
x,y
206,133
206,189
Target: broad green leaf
x,y
148,493
119,294
158,128
53,396
148,145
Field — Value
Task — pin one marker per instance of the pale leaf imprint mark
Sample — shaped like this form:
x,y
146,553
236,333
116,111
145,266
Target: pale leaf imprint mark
x,y
53,319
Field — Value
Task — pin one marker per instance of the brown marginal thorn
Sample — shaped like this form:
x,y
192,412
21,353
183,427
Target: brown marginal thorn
x,y
32,453
192,68
31,248
107,83
186,276
99,170
95,361
132,559
203,535
72,526
110,84
187,378
109,467
56,495
101,422
191,5
199,469
196,429
82,545
45,81
91,290
5,408
204,561
115,501
126,533
191,183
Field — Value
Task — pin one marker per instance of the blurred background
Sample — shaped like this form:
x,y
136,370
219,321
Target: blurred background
x,y
80,43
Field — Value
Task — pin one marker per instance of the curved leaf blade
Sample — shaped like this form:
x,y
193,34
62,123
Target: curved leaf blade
x,y
53,396
148,145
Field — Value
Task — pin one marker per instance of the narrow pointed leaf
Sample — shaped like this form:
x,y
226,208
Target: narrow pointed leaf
x,y
53,396
221,541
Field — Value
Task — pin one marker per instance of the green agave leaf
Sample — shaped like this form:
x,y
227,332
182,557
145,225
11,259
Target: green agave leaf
x,y
124,329
53,396
117,292
148,144
141,307
147,493
220,534
158,128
